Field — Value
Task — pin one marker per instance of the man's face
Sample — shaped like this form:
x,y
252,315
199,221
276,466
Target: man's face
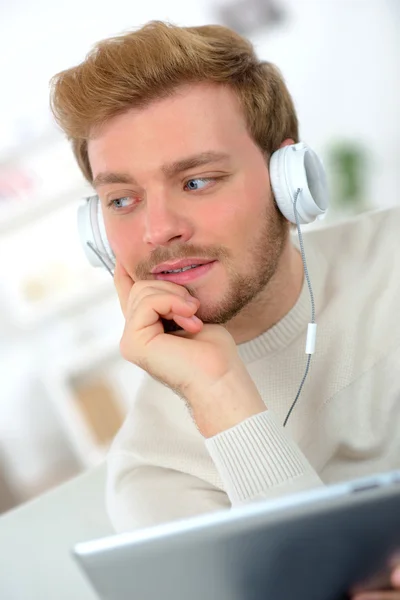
x,y
182,178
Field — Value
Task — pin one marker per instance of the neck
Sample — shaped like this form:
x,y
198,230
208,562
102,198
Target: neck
x,y
274,302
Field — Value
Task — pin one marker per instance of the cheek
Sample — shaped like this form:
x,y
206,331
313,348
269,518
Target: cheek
x,y
230,226
226,220
122,242
239,217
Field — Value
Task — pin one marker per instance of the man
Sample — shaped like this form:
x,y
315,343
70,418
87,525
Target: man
x,y
174,128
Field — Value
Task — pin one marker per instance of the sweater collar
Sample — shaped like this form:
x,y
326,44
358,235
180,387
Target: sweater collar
x,y
293,324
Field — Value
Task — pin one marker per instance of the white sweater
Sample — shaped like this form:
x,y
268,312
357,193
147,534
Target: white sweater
x,y
346,423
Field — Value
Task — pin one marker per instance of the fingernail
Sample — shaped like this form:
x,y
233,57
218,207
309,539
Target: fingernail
x,y
191,300
195,319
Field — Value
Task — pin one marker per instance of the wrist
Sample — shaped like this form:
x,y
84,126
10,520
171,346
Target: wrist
x,y
227,403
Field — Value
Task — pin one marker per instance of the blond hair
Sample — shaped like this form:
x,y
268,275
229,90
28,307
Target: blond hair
x,y
133,69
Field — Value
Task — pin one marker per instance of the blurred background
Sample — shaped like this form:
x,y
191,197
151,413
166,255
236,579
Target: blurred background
x,y
64,389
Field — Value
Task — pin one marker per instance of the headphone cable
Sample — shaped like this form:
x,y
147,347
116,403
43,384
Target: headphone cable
x,y
310,344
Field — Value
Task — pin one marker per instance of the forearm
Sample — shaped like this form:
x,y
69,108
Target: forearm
x,y
253,453
258,459
226,404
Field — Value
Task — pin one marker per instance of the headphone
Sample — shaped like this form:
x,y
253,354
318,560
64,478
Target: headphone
x,y
292,168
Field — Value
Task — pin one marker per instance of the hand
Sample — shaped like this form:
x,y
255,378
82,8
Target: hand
x,y
384,595
200,363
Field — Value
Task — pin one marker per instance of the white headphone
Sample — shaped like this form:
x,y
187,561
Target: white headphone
x,y
292,168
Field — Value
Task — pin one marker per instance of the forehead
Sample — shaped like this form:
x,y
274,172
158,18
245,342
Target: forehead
x,y
195,118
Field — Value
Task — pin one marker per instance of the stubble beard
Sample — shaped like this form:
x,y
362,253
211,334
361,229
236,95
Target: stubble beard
x,y
263,259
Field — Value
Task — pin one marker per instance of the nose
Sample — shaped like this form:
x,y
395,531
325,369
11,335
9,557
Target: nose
x,y
165,222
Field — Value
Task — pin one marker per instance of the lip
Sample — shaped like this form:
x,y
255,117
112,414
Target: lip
x,y
180,264
187,276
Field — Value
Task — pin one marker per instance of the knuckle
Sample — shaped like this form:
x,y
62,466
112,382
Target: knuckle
x,y
147,287
174,288
159,298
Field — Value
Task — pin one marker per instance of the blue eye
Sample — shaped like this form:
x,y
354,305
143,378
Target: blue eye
x,y
193,185
121,202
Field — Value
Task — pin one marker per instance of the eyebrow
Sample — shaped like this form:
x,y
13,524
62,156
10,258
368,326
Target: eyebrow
x,y
170,170
108,178
192,162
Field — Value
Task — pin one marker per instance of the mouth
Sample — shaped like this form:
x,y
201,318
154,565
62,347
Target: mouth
x,y
185,274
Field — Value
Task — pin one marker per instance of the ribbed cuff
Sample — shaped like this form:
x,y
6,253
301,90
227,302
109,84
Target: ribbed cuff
x,y
257,456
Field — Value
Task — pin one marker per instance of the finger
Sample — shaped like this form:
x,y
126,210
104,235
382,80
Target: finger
x,y
152,307
166,286
190,324
142,292
123,284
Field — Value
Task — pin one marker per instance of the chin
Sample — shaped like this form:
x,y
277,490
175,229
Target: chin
x,y
209,308
212,315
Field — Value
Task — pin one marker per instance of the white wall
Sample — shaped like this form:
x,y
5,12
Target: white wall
x,y
38,39
341,60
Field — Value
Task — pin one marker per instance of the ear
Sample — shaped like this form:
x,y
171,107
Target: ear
x,y
287,142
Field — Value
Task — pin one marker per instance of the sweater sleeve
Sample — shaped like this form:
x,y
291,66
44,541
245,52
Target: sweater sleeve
x,y
147,495
258,459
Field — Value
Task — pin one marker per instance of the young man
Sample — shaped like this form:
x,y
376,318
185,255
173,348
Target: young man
x,y
174,128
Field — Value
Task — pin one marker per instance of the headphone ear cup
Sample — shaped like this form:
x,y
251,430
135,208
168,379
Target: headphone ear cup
x,y
103,235
92,234
279,185
297,167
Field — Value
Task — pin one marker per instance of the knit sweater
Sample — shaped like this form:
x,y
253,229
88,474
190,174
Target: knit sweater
x,y
345,425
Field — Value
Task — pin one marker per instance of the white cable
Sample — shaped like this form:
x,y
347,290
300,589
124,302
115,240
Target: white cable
x,y
312,327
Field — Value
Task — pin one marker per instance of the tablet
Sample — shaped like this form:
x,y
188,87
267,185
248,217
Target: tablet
x,y
314,545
